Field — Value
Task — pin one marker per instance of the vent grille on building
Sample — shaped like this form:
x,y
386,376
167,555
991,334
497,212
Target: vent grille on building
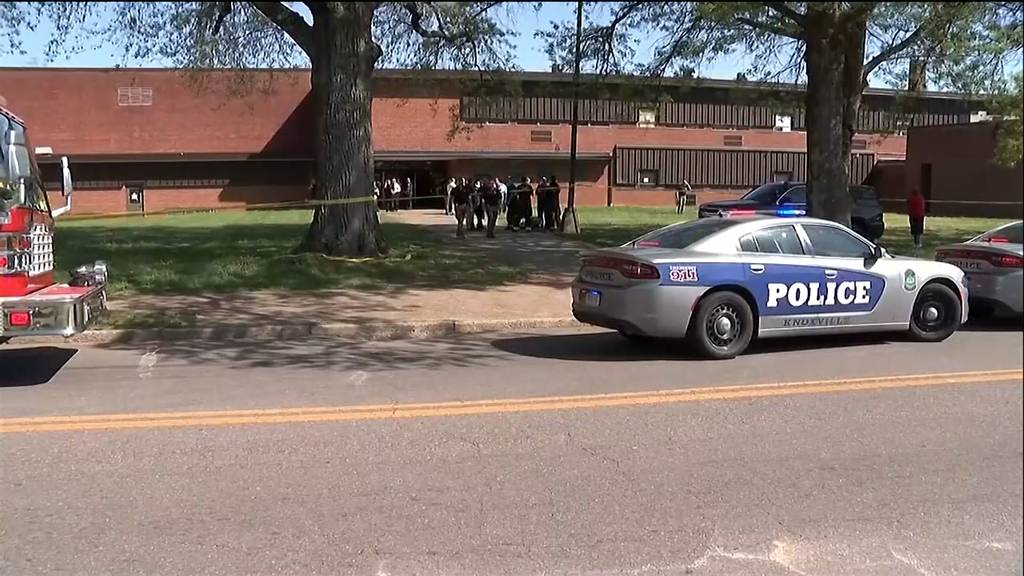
x,y
734,140
540,136
134,96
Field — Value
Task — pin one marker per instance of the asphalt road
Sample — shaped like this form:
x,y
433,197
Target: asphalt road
x,y
838,475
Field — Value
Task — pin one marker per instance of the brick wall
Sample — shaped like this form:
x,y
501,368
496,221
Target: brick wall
x,y
965,179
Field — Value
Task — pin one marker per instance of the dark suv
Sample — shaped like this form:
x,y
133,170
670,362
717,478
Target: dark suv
x,y
790,199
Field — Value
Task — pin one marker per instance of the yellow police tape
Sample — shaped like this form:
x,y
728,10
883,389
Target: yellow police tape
x,y
246,207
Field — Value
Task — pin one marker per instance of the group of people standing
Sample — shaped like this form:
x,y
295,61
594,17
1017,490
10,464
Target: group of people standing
x,y
390,192
478,203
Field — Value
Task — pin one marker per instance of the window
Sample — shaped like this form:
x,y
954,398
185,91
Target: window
x,y
778,240
1011,234
134,96
835,242
647,178
540,135
747,244
679,236
646,117
766,193
796,195
859,144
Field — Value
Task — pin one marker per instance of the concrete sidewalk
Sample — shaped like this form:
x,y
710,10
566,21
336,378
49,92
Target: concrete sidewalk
x,y
542,301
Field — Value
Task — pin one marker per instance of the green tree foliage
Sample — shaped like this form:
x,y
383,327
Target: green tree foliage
x,y
343,42
833,47
1009,107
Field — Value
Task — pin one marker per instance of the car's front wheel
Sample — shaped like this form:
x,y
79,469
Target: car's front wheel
x,y
936,314
722,326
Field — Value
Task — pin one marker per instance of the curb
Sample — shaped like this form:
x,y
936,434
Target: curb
x,y
377,331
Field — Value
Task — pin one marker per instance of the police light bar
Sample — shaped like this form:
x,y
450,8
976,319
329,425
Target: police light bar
x,y
790,212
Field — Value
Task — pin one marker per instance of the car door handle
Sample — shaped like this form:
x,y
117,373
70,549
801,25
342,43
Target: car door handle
x,y
831,274
757,268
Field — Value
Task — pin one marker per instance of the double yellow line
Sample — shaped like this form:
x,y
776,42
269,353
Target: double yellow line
x,y
504,406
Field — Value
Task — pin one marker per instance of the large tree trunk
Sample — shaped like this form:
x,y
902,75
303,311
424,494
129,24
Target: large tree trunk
x,y
343,62
835,64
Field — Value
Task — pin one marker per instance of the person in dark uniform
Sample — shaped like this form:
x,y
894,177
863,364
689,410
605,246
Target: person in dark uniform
x,y
492,204
542,202
460,198
477,202
512,206
554,204
525,212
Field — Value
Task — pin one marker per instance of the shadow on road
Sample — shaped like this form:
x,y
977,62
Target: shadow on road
x,y
326,353
610,347
32,366
995,324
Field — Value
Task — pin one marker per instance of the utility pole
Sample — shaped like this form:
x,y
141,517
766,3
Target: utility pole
x,y
570,223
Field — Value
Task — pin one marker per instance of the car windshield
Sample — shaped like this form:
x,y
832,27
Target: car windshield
x,y
1011,234
766,193
679,236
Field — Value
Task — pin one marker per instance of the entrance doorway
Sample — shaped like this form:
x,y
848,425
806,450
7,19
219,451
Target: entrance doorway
x,y
420,182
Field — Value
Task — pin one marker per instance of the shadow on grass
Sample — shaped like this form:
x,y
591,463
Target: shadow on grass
x,y
157,259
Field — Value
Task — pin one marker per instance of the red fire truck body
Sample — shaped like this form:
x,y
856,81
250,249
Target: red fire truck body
x,y
31,302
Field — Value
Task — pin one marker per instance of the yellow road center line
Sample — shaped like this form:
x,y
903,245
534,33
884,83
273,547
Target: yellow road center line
x,y
512,405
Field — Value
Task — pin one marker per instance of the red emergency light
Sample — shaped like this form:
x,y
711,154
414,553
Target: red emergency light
x,y
19,319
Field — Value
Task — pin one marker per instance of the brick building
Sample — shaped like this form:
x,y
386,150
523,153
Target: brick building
x,y
154,139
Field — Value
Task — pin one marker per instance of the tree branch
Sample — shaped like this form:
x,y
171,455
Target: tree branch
x,y
769,27
289,21
892,50
783,9
225,9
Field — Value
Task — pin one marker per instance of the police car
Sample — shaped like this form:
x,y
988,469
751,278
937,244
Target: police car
x,y
721,282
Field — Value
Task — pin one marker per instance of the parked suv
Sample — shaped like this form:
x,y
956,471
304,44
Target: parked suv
x,y
790,199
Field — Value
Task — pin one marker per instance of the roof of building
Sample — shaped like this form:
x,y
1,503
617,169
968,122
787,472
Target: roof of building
x,y
521,76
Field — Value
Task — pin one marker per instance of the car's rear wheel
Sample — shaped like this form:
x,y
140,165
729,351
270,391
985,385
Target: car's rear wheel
x,y
936,315
722,326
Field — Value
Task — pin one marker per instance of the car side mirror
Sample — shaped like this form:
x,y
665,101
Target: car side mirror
x,y
877,253
66,188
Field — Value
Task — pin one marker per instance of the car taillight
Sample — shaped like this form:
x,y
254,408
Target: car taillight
x,y
628,268
3,263
999,239
20,318
997,260
1008,261
648,244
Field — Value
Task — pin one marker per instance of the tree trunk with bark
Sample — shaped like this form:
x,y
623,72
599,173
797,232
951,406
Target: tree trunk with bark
x,y
343,60
835,66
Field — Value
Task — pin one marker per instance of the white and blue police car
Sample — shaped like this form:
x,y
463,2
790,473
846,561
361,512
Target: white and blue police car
x,y
722,282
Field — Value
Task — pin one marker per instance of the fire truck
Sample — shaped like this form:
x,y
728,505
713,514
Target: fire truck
x,y
32,303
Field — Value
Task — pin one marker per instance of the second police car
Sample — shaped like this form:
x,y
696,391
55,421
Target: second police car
x,y
721,282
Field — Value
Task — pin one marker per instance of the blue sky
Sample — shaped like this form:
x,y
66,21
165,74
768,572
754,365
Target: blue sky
x,y
531,54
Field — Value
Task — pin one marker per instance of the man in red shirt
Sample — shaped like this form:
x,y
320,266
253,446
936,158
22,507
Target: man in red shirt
x,y
915,209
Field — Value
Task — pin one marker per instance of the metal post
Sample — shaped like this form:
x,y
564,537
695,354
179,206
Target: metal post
x,y
569,218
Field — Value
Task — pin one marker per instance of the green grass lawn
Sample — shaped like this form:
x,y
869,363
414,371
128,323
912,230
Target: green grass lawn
x,y
237,251
614,226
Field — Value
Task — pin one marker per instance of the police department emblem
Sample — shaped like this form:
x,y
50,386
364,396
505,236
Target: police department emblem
x,y
909,280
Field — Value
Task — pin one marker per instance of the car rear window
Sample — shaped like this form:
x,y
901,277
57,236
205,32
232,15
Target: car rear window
x,y
863,194
679,236
1011,234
